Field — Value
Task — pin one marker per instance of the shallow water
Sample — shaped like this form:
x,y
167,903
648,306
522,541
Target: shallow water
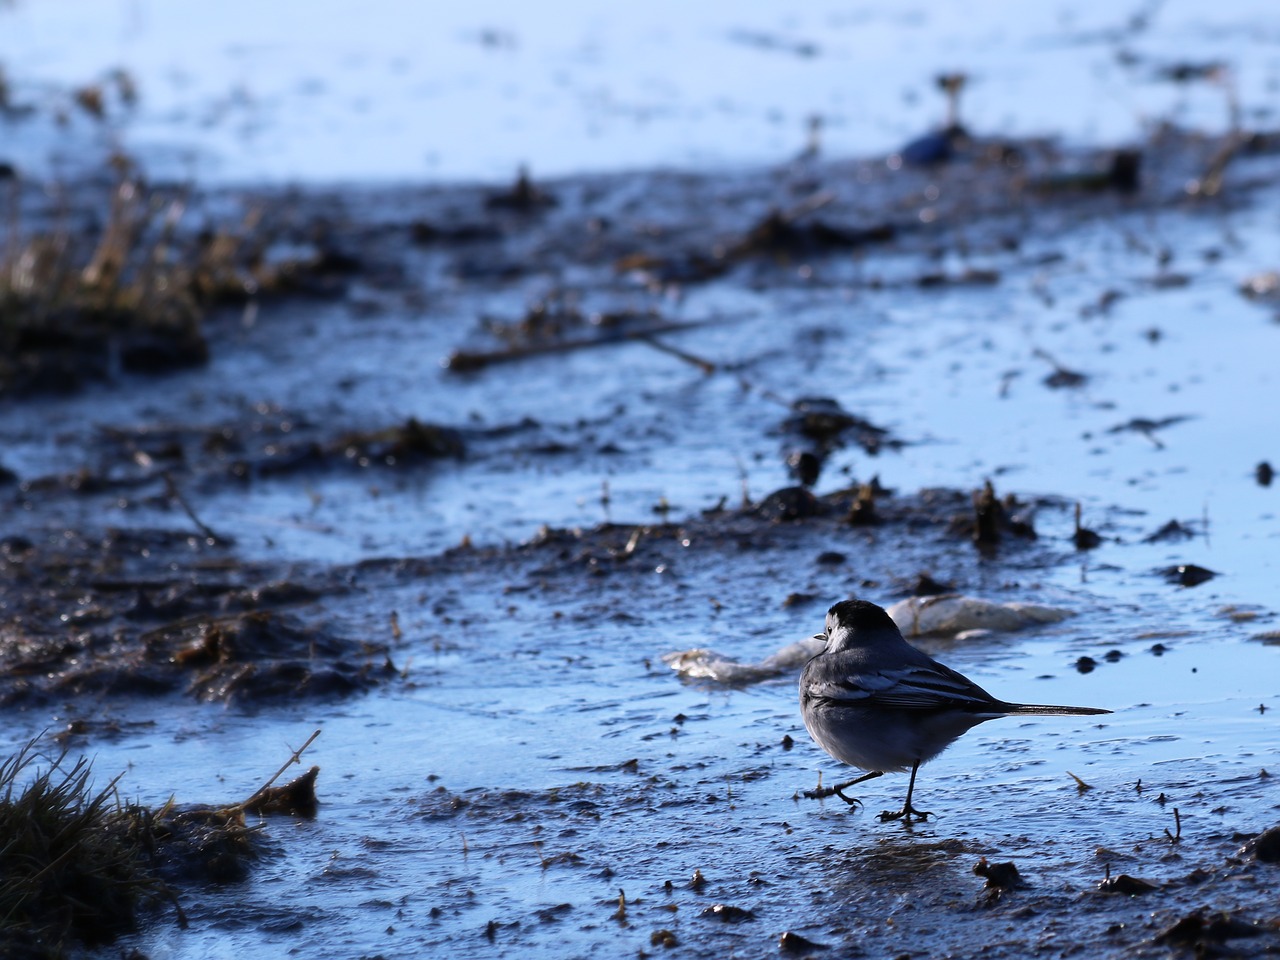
x,y
538,757
542,766
531,761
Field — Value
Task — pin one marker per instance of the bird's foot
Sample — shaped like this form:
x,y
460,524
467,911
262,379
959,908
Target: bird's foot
x,y
907,814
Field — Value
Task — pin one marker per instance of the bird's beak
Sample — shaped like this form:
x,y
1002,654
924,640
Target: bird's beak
x,y
822,636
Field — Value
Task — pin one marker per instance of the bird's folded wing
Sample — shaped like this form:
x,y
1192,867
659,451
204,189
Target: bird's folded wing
x,y
905,688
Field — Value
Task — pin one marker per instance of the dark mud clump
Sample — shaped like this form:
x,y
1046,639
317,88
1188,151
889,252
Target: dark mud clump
x,y
817,427
141,614
259,655
201,845
1187,574
296,798
165,463
1205,930
935,520
994,519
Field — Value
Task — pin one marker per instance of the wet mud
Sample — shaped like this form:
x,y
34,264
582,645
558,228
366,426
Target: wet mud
x,y
526,772
157,612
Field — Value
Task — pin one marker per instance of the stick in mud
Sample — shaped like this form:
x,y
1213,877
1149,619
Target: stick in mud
x,y
706,366
175,495
296,758
464,361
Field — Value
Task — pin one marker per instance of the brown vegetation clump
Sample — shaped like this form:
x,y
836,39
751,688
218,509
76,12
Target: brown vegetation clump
x,y
72,311
82,301
69,872
80,868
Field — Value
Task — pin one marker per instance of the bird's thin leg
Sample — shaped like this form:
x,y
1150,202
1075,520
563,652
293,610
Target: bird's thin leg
x,y
907,811
838,789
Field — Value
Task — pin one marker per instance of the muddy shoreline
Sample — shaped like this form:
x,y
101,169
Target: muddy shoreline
x,y
429,462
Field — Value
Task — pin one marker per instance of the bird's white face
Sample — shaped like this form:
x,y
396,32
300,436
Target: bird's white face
x,y
832,626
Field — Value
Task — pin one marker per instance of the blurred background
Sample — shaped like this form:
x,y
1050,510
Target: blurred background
x,y
333,90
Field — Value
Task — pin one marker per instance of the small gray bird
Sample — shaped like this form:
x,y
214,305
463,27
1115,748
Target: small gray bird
x,y
874,701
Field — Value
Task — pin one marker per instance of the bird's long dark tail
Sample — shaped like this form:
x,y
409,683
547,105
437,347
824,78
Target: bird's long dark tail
x,y
1048,710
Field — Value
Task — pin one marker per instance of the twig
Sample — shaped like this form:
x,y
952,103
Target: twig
x,y
172,489
810,204
1210,184
746,502
1177,821
621,914
706,366
633,541
297,757
463,361
1081,786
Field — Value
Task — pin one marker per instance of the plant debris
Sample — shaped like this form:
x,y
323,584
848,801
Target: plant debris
x,y
79,867
1187,574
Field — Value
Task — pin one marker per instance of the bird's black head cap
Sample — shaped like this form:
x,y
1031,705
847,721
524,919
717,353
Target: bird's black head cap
x,y
859,615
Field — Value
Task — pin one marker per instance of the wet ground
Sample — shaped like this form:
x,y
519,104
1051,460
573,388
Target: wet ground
x,y
454,482
328,527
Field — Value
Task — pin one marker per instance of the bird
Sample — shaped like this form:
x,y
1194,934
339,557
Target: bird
x,y
873,701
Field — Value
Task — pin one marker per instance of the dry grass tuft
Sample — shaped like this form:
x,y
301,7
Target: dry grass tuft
x,y
69,869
